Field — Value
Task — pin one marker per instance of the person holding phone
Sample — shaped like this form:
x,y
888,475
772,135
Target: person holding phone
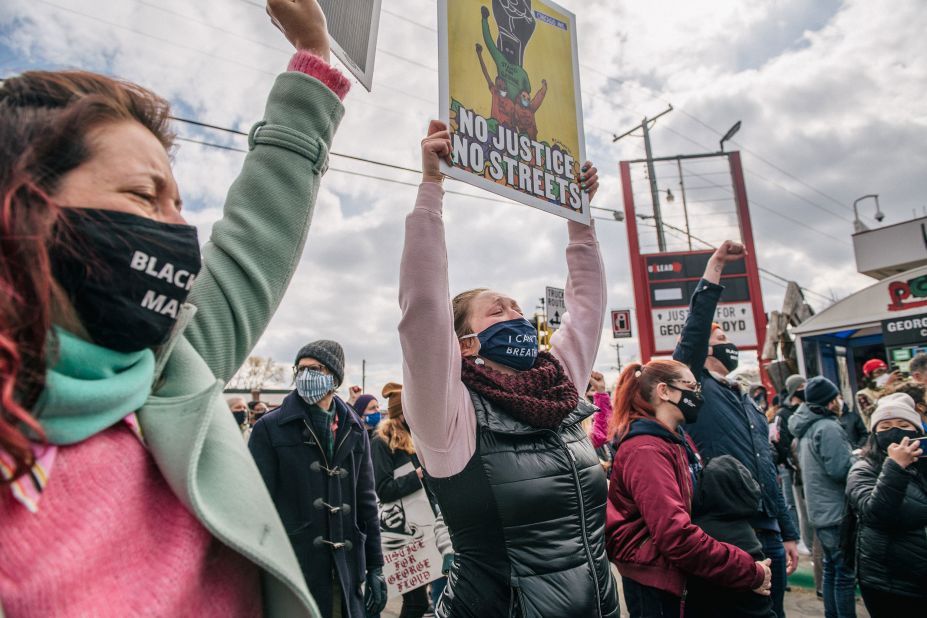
x,y
887,490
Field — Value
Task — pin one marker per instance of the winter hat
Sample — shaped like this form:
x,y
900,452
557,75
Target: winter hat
x,y
896,405
327,352
872,364
820,391
393,394
362,402
793,383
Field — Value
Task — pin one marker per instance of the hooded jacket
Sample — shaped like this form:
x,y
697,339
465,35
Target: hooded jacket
x,y
825,456
891,543
650,535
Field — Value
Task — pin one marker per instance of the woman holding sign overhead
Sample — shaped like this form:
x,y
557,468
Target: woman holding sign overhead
x,y
497,424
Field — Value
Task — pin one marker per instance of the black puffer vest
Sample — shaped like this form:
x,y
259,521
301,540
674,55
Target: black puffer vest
x,y
527,519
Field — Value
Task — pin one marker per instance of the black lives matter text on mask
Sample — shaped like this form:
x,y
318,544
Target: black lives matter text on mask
x,y
167,272
522,163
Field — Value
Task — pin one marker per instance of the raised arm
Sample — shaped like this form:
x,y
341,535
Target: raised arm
x,y
479,54
539,96
435,402
692,348
270,204
576,342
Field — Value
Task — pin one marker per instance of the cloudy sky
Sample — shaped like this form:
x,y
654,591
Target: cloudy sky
x,y
831,95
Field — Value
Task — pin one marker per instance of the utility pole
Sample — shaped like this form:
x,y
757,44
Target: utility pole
x,y
644,126
618,347
364,375
685,207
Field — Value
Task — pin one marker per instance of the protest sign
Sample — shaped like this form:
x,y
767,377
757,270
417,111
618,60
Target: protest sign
x,y
407,531
511,97
353,26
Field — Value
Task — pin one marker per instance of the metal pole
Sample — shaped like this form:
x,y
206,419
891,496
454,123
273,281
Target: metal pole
x,y
685,208
618,347
364,375
654,191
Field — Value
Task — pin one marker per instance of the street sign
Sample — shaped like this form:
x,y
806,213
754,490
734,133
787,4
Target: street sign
x,y
555,306
735,318
621,323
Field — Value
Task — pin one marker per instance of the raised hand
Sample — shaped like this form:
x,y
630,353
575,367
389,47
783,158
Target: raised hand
x,y
303,24
435,147
589,179
597,381
905,453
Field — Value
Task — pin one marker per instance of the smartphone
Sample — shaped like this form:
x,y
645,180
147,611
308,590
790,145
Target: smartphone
x,y
923,441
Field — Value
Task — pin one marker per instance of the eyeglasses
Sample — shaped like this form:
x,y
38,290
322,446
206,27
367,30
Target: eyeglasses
x,y
319,368
695,387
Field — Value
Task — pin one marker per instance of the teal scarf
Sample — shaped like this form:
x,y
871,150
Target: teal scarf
x,y
91,388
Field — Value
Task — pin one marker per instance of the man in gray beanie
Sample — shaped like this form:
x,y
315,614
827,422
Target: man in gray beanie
x,y
314,456
825,456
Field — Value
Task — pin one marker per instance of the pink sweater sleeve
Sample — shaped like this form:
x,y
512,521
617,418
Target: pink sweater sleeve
x,y
600,423
576,342
313,66
436,404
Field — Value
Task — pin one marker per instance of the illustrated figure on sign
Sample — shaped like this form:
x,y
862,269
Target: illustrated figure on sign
x,y
525,109
503,107
512,73
395,530
516,25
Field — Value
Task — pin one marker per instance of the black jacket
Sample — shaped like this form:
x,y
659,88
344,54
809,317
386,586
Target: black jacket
x,y
783,448
322,502
527,519
385,462
854,427
729,422
891,542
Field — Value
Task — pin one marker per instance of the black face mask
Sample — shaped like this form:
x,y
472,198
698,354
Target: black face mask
x,y
239,417
690,402
728,354
894,436
125,275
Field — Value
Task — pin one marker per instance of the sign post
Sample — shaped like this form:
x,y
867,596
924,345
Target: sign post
x,y
555,306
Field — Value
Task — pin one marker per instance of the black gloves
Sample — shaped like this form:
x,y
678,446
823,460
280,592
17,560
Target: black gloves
x,y
375,595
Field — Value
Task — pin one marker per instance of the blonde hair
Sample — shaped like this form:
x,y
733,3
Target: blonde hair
x,y
461,306
393,431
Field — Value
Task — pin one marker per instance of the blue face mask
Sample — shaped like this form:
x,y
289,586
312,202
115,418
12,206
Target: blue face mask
x,y
312,386
513,343
372,419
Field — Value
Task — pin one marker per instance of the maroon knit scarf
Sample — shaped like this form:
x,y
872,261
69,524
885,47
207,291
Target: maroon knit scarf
x,y
541,397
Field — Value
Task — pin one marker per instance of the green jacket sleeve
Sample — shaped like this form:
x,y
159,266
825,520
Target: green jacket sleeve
x,y
268,206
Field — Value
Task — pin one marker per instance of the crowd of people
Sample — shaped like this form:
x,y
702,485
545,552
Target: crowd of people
x,y
127,488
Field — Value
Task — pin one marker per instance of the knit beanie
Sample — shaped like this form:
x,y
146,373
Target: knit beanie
x,y
820,391
362,402
793,383
393,394
329,353
896,405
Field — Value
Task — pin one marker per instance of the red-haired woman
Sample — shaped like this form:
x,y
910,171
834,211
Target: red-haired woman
x,y
650,534
125,486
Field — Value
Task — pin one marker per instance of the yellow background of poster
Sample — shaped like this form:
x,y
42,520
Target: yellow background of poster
x,y
548,55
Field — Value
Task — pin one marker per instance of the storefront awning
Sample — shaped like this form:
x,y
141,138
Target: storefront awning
x,y
898,296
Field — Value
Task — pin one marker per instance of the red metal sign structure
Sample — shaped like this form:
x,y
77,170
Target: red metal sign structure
x,y
664,280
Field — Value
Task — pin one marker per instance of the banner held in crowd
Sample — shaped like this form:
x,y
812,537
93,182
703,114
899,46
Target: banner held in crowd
x,y
510,94
407,529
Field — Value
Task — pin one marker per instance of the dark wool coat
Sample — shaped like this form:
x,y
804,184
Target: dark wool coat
x,y
322,501
891,544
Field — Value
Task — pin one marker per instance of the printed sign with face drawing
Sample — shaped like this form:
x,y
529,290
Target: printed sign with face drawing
x,y
510,95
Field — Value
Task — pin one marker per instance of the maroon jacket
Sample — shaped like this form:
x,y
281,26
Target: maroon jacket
x,y
650,534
